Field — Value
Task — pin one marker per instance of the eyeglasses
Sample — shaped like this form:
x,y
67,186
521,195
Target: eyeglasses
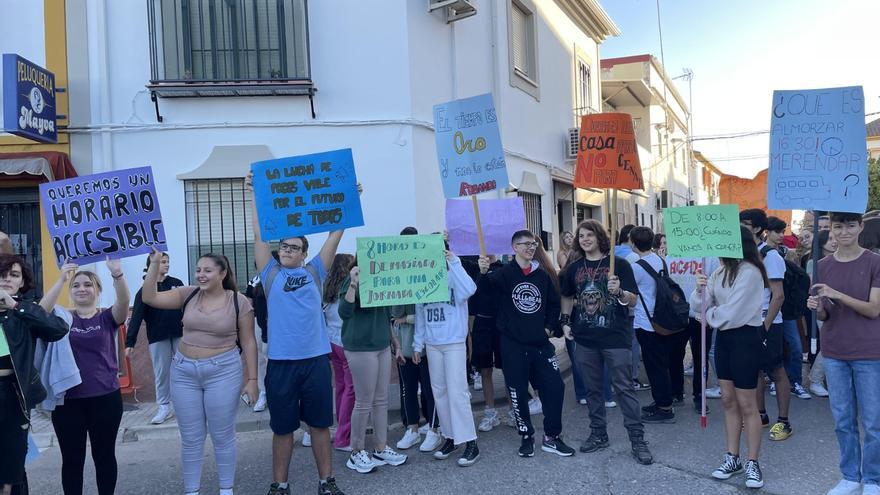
x,y
531,244
291,248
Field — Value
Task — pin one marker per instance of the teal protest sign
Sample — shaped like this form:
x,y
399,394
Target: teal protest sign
x,y
405,269
697,231
818,155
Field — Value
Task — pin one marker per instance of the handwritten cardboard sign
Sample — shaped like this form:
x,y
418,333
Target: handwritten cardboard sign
x,y
301,195
113,214
749,193
500,219
818,155
695,231
607,154
405,269
469,146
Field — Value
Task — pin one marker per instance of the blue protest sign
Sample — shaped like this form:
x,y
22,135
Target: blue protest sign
x,y
302,195
28,100
818,155
469,146
113,214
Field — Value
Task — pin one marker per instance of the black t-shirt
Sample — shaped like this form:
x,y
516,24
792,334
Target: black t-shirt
x,y
598,320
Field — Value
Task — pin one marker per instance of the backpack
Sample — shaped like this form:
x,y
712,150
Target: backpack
x,y
795,285
671,307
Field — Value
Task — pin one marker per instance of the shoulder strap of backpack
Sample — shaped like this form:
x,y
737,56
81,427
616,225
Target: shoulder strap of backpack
x,y
764,250
189,298
235,303
270,278
650,269
648,313
314,273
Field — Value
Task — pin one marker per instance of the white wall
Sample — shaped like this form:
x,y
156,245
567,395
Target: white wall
x,y
22,32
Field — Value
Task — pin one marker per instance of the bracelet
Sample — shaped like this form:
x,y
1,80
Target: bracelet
x,y
117,278
252,379
564,319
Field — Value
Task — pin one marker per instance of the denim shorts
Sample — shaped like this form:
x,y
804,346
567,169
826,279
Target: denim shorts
x,y
299,390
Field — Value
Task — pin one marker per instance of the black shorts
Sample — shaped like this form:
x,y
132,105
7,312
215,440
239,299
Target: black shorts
x,y
738,356
773,353
486,344
13,437
299,390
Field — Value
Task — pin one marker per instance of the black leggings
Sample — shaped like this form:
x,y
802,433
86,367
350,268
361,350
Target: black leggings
x,y
98,419
411,376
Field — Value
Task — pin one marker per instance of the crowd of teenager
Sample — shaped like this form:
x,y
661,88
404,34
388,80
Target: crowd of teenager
x,y
322,358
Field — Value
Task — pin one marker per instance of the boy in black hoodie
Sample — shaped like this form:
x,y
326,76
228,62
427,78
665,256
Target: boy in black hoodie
x,y
529,305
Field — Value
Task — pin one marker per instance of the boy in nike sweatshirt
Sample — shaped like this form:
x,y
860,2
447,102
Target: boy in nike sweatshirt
x,y
529,305
443,328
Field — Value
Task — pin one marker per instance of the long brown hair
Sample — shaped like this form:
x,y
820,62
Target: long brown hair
x,y
339,270
223,263
546,263
601,237
750,255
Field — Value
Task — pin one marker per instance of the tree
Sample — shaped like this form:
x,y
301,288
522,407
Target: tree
x,y
874,184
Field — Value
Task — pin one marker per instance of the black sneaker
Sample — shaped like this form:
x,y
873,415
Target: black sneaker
x,y
471,454
555,445
275,489
637,385
754,477
765,419
728,468
650,407
597,441
659,415
527,447
446,450
329,487
640,451
678,400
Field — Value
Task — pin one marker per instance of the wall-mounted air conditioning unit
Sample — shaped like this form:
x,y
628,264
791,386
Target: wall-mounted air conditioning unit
x,y
571,144
456,10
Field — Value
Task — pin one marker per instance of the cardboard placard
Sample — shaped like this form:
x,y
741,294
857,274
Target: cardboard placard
x,y
404,269
699,231
500,219
301,195
608,157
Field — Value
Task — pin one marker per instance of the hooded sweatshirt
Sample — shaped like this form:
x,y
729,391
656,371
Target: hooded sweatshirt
x,y
528,304
446,322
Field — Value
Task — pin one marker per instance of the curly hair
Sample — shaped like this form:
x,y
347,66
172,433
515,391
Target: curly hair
x,y
339,271
601,237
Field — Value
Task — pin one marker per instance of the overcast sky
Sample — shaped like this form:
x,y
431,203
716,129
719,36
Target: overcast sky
x,y
740,51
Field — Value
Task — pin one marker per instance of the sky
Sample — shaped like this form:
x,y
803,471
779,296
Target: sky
x,y
741,50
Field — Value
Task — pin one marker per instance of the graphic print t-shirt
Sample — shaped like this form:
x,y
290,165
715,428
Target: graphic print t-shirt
x,y
598,320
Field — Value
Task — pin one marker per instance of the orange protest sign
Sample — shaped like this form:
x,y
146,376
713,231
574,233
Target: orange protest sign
x,y
749,193
607,154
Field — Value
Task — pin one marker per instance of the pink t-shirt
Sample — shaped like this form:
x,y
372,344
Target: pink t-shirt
x,y
846,334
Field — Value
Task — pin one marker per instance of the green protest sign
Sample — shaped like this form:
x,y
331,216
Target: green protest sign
x,y
405,269
695,231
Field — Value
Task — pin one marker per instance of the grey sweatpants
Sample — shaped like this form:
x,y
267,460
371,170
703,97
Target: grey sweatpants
x,y
161,354
619,362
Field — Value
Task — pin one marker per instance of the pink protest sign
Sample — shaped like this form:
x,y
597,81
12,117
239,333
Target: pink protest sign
x,y
500,219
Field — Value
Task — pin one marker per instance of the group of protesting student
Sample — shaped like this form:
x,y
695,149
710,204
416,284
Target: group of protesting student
x,y
329,359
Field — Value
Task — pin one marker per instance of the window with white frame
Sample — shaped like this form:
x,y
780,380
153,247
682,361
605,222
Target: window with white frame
x,y
523,46
532,207
218,220
585,98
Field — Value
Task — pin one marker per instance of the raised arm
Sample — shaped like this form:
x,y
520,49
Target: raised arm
x,y
134,323
50,298
120,306
461,283
262,251
169,299
328,250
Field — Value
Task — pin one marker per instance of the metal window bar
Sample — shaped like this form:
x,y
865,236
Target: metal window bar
x,y
20,219
532,207
228,40
218,221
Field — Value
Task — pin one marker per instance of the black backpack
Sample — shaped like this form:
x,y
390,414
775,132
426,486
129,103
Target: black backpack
x,y
671,307
795,285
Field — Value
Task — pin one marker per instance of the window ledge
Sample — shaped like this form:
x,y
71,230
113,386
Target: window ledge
x,y
522,75
196,89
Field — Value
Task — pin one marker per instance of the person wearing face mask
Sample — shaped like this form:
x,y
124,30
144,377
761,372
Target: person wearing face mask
x,y
21,323
164,328
206,374
93,409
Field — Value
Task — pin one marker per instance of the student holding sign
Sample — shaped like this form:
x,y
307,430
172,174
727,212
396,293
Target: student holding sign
x,y
733,294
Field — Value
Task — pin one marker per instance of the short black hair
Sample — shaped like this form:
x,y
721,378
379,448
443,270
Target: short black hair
x,y
776,224
520,234
305,242
642,238
756,216
625,233
409,231
844,217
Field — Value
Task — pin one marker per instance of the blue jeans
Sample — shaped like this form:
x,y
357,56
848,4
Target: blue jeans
x,y
794,366
854,396
577,376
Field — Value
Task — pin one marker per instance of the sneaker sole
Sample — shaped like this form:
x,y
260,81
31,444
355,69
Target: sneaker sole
x,y
406,447
640,461
490,428
667,421
554,451
392,463
442,457
526,455
354,467
724,476
468,462
427,450
775,439
754,484
598,448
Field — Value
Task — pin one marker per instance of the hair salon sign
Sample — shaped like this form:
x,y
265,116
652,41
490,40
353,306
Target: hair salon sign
x,y
28,100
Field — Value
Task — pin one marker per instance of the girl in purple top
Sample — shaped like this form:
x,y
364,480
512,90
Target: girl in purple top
x,y
92,409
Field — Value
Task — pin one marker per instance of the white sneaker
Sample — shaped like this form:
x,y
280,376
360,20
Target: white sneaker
x,y
409,439
773,389
582,402
871,489
260,406
610,404
846,487
511,419
164,412
490,420
818,390
535,407
307,439
432,442
361,462
423,430
798,391
713,393
389,456
478,381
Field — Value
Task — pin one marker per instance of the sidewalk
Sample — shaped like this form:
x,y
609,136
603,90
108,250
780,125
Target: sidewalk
x,y
136,416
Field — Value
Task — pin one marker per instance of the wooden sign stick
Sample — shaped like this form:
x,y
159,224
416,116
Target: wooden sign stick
x,y
613,210
479,227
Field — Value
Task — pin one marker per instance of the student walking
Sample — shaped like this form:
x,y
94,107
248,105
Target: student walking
x,y
164,329
527,289
847,299
733,294
206,377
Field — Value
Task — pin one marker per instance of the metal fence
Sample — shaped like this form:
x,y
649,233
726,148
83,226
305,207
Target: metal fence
x,y
20,218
